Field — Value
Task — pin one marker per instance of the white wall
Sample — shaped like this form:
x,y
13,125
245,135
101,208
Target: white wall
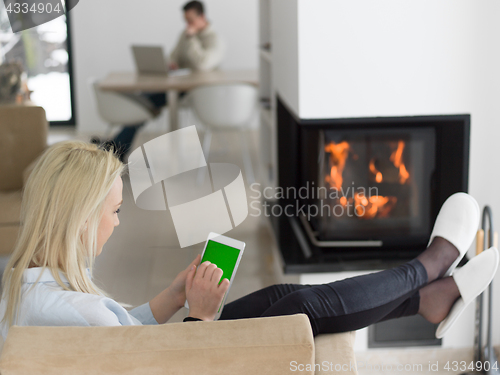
x,y
285,50
391,58
104,30
363,58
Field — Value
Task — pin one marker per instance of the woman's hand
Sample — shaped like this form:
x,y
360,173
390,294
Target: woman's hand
x,y
178,286
203,291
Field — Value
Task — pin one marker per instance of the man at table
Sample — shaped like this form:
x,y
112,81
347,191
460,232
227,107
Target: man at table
x,y
199,48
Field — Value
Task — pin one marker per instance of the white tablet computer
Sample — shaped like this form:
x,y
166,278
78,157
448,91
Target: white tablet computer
x,y
226,253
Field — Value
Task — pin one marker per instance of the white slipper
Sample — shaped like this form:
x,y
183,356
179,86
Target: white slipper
x,y
472,279
457,223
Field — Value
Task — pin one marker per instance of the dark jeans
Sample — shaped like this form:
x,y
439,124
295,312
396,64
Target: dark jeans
x,y
339,306
124,139
159,100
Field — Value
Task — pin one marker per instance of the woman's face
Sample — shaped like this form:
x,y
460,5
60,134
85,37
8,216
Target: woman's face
x,y
109,218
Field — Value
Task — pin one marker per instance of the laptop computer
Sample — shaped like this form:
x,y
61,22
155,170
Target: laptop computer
x,y
150,60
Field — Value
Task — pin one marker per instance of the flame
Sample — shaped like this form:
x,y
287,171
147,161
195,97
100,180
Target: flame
x,y
366,207
338,156
397,160
373,169
374,206
343,201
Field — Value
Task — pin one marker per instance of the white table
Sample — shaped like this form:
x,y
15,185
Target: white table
x,y
127,82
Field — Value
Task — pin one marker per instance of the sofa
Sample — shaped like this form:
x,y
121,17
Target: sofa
x,y
23,137
271,345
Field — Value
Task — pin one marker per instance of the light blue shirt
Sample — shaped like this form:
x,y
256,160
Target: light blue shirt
x,y
48,304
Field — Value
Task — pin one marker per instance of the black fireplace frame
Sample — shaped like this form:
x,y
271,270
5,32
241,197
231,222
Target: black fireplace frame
x,y
298,253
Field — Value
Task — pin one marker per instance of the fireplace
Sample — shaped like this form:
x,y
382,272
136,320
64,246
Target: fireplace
x,y
373,185
363,193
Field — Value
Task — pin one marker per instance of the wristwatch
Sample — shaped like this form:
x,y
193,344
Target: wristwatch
x,y
191,319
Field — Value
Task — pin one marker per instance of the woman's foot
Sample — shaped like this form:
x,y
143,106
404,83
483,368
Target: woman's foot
x,y
471,280
453,233
457,223
438,257
444,300
437,299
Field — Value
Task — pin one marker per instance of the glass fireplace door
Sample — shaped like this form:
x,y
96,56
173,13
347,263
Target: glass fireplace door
x,y
374,184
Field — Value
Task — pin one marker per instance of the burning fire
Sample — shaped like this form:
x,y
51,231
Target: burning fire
x,y
397,160
377,173
374,206
338,156
366,207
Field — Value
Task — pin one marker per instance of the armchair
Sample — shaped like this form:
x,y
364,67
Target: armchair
x,y
23,137
272,345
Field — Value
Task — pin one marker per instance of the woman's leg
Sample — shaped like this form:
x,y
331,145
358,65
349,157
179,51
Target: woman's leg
x,y
254,304
351,303
354,303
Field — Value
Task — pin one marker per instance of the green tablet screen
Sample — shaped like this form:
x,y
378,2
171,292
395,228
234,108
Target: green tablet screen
x,y
223,256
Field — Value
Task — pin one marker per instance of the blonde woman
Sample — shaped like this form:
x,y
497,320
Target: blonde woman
x,y
70,208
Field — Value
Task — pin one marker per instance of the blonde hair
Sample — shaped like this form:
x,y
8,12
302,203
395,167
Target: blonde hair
x,y
60,214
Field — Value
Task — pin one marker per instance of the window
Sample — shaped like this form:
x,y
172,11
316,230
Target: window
x,y
45,53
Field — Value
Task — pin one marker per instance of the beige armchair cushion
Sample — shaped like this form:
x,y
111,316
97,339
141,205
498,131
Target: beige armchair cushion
x,y
10,203
27,171
8,238
23,137
10,209
335,354
247,346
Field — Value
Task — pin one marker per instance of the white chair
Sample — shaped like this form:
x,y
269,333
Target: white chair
x,y
226,107
119,109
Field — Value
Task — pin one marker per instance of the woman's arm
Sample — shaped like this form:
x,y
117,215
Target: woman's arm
x,y
164,306
170,300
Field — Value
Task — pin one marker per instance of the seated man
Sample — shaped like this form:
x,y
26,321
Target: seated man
x,y
199,48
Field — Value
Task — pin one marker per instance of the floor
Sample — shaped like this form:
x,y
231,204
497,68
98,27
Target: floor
x,y
423,361
143,256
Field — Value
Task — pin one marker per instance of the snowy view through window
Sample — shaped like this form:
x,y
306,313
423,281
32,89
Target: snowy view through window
x,y
42,50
